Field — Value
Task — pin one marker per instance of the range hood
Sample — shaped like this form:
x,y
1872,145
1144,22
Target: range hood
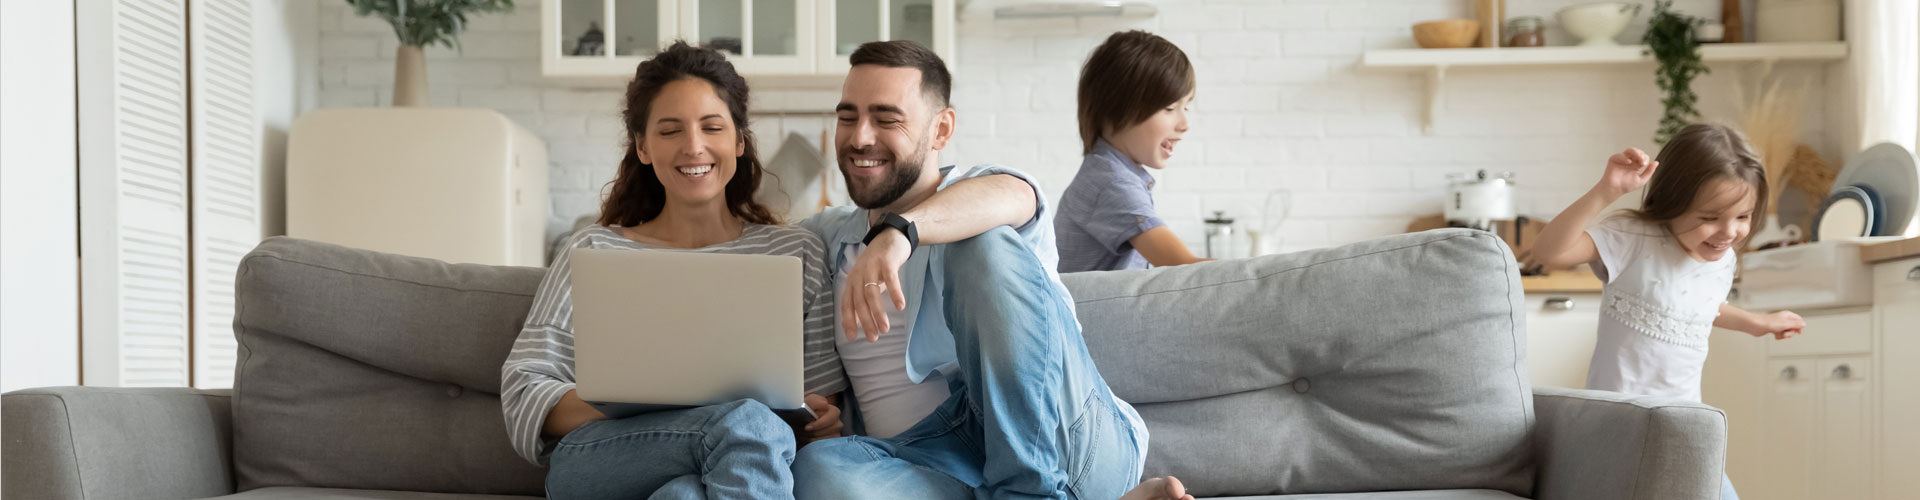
x,y
1030,9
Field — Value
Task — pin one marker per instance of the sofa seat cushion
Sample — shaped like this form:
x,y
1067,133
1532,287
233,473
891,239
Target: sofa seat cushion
x,y
1386,365
1393,495
299,493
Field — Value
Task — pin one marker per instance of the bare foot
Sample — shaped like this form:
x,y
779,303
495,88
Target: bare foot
x,y
1159,488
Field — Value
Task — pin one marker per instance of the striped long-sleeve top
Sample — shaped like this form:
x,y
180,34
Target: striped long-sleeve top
x,y
540,368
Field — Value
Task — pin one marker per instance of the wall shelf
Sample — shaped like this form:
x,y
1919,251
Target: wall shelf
x,y
1436,62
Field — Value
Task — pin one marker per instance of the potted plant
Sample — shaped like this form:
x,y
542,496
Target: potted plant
x,y
419,23
1670,40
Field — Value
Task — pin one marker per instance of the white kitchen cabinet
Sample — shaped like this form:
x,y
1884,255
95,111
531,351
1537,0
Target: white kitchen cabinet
x,y
1561,329
1830,413
762,38
1736,366
1818,428
1792,404
1896,312
1816,421
1843,450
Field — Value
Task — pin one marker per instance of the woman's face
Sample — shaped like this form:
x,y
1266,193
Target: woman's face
x,y
691,143
1151,142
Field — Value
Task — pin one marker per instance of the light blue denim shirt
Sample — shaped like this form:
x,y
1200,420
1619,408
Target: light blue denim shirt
x,y
930,342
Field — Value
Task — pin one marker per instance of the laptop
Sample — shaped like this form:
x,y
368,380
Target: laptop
x,y
660,330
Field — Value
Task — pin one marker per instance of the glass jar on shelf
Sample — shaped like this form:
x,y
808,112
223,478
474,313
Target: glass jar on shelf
x,y
1525,31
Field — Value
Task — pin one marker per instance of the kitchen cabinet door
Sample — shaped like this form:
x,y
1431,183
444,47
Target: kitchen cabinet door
x,y
603,38
1843,450
1793,409
849,23
778,43
1736,381
758,36
1560,337
1896,305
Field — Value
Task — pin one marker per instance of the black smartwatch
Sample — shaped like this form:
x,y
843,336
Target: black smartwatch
x,y
895,222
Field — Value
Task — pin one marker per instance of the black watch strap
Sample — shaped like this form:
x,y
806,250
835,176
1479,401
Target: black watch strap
x,y
895,222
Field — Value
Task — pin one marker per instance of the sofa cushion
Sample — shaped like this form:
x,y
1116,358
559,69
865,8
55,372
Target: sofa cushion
x,y
1392,364
1392,495
366,370
297,493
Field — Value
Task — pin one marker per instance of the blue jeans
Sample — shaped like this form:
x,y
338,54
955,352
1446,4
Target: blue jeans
x,y
1726,489
730,450
1028,415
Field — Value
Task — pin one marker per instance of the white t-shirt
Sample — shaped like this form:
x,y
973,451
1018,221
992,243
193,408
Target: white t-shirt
x,y
890,403
1657,310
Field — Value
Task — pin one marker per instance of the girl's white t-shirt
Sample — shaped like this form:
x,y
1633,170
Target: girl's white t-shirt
x,y
1657,309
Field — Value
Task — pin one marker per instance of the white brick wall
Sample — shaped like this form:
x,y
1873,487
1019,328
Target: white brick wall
x,y
1281,105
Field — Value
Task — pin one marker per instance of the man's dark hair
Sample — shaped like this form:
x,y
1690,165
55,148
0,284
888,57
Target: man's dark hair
x,y
935,82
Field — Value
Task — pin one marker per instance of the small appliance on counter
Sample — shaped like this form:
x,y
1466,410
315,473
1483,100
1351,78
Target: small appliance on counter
x,y
1223,241
1480,200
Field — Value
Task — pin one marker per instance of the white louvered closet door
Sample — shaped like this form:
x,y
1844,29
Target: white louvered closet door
x,y
226,176
132,79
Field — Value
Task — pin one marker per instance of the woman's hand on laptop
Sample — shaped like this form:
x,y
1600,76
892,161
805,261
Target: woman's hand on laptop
x,y
827,425
873,279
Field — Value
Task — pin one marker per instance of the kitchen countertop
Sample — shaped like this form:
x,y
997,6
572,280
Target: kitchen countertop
x,y
1891,250
1580,281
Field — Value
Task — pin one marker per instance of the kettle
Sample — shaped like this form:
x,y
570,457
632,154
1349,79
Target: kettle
x,y
1477,201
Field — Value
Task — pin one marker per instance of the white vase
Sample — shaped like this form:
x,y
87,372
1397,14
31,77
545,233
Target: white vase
x,y
409,77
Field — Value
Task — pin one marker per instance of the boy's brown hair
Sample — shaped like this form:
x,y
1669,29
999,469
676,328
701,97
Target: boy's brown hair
x,y
1127,79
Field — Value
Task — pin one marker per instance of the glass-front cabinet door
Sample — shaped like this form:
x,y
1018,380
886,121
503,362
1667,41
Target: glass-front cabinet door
x,y
578,41
602,40
850,23
758,36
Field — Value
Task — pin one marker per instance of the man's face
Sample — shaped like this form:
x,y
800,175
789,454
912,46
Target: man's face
x,y
886,130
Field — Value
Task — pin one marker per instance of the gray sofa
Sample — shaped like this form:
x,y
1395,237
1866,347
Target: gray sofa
x,y
1389,369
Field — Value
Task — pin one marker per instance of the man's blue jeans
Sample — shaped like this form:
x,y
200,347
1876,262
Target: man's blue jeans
x,y
731,450
1028,415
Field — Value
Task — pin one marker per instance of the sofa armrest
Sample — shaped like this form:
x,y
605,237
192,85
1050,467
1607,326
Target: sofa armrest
x,y
1595,445
98,442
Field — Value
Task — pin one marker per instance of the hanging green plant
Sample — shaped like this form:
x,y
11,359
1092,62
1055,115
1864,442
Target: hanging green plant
x,y
420,23
1670,40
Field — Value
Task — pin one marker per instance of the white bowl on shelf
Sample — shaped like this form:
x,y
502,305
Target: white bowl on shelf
x,y
1596,24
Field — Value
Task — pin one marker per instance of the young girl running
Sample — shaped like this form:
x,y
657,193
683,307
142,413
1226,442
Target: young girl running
x,y
1667,266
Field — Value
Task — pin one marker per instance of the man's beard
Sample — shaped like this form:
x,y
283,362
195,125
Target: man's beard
x,y
899,179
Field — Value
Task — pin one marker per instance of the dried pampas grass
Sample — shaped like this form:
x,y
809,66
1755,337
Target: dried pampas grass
x,y
1771,120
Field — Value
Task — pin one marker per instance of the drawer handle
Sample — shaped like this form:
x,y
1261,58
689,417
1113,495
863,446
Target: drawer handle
x,y
1789,373
1913,274
1842,372
1559,304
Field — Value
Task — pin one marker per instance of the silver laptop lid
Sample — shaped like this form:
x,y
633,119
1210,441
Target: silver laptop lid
x,y
687,328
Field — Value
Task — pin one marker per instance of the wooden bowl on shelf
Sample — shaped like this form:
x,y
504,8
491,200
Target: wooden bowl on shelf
x,y
1446,33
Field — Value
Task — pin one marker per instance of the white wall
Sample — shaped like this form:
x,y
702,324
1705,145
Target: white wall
x,y
1281,105
286,55
39,248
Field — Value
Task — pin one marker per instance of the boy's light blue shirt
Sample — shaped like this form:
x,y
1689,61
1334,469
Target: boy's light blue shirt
x,y
1108,204
929,342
